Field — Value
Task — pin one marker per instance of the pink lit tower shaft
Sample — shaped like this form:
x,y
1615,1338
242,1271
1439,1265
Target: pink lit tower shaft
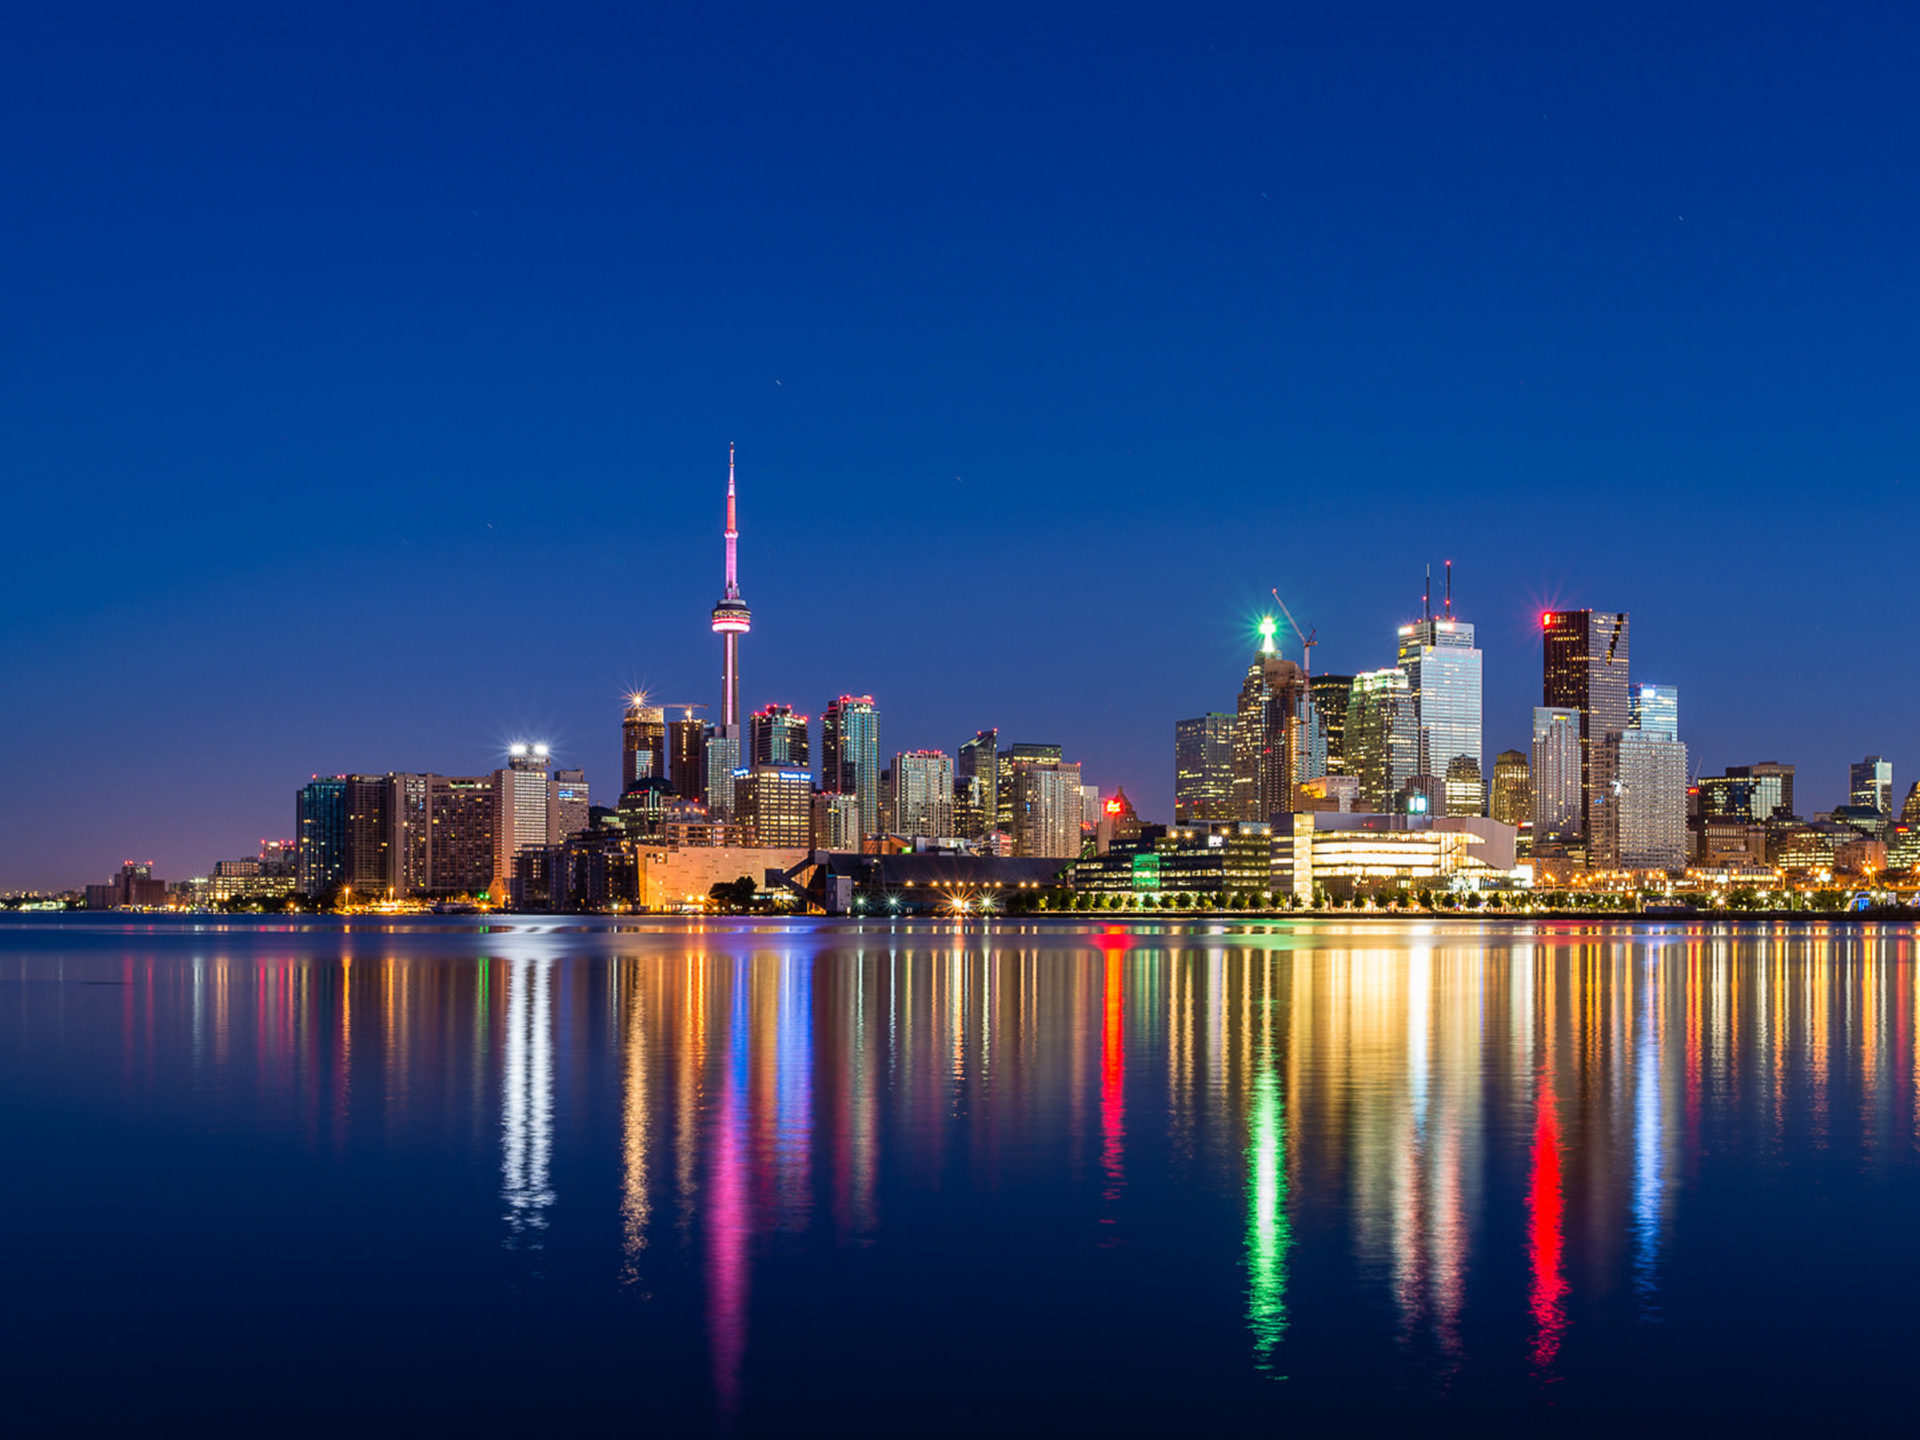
x,y
731,620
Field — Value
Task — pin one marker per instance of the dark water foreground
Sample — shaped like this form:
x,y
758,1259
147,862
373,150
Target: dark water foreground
x,y
1281,1179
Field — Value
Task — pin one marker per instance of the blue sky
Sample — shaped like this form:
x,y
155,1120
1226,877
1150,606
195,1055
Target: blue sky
x,y
369,377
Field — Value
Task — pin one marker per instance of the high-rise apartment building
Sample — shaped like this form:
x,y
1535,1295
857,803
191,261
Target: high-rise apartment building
x,y
1278,739
569,808
1584,669
1331,696
922,793
1382,738
1642,822
410,843
1870,784
320,836
1512,798
774,805
777,736
1203,769
724,756
370,823
687,757
1046,807
1004,762
976,785
850,754
462,812
643,743
1442,666
522,810
836,821
1558,795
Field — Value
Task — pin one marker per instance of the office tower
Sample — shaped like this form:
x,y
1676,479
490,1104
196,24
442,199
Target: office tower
x,y
777,736
1910,811
724,756
922,793
836,821
1750,799
1654,709
976,785
1558,796
774,805
568,808
320,836
1584,669
462,814
1331,696
1278,740
687,757
1464,790
1512,789
1203,769
1382,739
1776,782
1870,784
1045,807
1442,665
643,742
1004,763
850,755
521,818
1641,816
369,836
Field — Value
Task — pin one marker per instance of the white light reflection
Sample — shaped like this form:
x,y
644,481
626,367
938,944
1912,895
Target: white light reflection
x,y
526,1102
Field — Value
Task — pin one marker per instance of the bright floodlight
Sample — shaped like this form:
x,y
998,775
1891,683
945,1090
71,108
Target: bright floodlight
x,y
516,749
540,750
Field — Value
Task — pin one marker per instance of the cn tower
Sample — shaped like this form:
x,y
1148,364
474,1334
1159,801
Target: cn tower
x,y
731,619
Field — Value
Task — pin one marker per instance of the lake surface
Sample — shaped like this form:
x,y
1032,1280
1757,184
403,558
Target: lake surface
x,y
780,1178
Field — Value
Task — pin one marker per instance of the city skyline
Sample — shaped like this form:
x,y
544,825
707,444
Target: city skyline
x,y
386,447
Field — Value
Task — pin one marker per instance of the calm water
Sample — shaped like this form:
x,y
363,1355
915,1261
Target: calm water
x,y
781,1178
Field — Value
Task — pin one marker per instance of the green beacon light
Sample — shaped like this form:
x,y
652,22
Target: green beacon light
x,y
1267,627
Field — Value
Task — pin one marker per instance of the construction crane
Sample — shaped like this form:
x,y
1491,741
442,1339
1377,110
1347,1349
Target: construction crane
x,y
1308,638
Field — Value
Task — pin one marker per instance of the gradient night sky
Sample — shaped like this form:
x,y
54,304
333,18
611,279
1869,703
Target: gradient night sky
x,y
369,373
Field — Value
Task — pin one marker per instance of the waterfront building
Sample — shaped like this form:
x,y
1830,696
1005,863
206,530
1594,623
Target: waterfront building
x,y
1512,798
133,888
462,812
1558,814
1443,669
773,804
1203,769
1357,854
1331,696
1870,784
1216,859
1584,669
369,834
850,754
1382,739
777,736
687,757
681,878
643,742
410,834
569,807
1046,807
522,810
922,801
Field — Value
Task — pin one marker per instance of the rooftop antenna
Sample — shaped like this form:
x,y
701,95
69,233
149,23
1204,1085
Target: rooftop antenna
x,y
1449,589
1426,597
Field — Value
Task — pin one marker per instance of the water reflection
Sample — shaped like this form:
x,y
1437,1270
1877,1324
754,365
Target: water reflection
x,y
1507,1126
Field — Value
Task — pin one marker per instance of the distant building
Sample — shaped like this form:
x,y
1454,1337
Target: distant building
x,y
836,822
1654,710
1465,792
1331,697
522,805
368,872
1584,669
1004,762
777,736
1512,798
1442,666
320,836
687,757
1870,784
134,888
1046,808
922,793
1203,769
976,776
1743,796
773,805
568,806
850,754
1278,739
1382,739
1774,771
462,812
724,756
1558,813
643,742
1639,813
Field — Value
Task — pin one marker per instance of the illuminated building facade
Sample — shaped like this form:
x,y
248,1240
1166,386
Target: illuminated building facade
x,y
1512,796
773,805
723,758
569,808
687,757
320,836
922,794
1331,696
1778,773
1558,813
1203,770
460,848
1642,823
1278,739
522,810
1345,855
976,785
1004,763
1464,790
836,822
369,832
1654,710
1382,738
1442,666
777,736
1584,669
1750,799
1046,808
850,754
643,742
1870,784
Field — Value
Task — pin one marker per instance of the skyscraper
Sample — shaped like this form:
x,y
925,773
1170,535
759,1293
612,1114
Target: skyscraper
x,y
1870,784
1203,769
725,745
1046,806
1558,797
777,736
1639,816
569,810
1654,709
774,805
922,793
687,756
522,811
643,742
850,754
1331,696
320,836
1278,740
1584,669
369,836
1382,738
460,849
1774,795
976,785
1512,799
1004,762
1443,677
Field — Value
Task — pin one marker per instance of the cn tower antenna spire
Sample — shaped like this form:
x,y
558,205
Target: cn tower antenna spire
x,y
733,534
731,618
